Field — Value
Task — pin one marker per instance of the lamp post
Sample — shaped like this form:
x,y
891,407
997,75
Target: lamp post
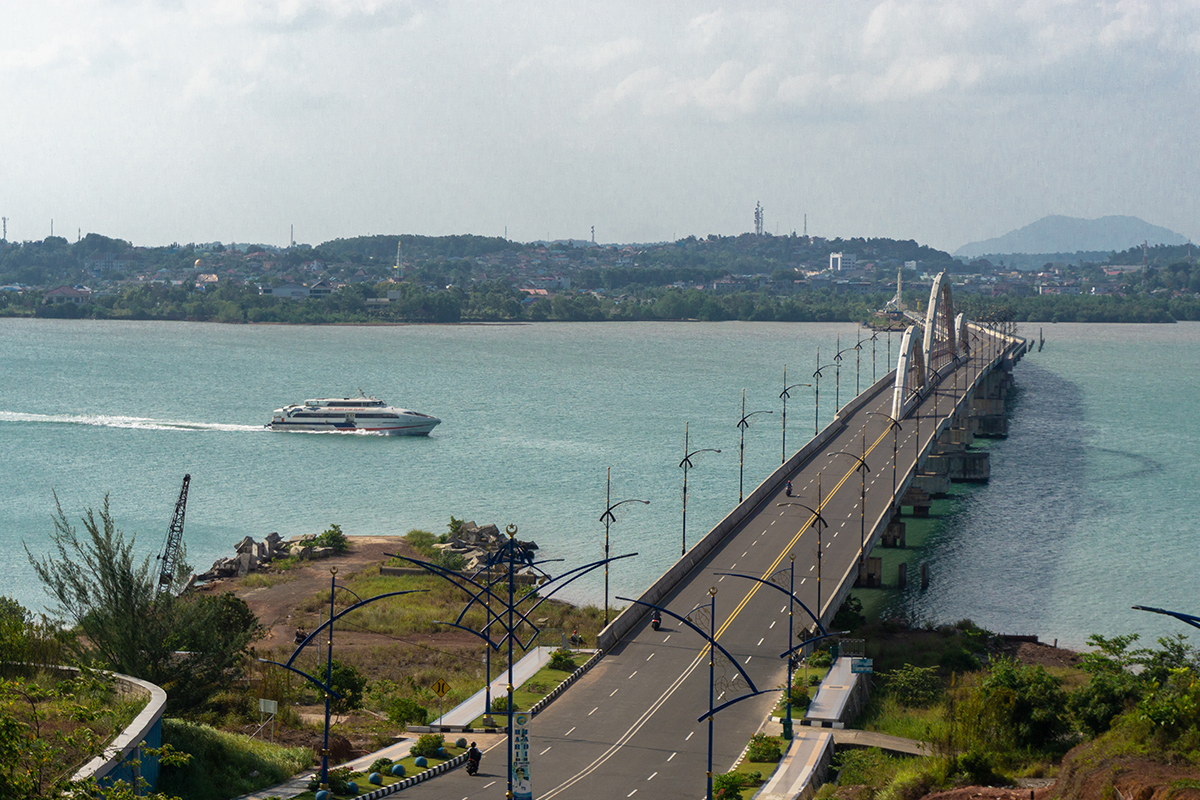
x,y
817,393
816,518
895,427
687,464
744,423
784,395
862,470
607,518
916,414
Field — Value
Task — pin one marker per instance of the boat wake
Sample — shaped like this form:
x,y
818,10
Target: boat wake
x,y
135,423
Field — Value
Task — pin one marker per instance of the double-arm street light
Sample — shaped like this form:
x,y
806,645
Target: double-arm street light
x,y
817,518
862,469
608,517
817,392
744,423
687,464
784,395
896,426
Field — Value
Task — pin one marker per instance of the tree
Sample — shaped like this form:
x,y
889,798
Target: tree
x,y
191,646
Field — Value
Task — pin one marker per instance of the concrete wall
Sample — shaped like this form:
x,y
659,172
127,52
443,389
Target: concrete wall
x,y
114,763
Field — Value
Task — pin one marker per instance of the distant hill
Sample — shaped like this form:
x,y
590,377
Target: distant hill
x,y
1058,234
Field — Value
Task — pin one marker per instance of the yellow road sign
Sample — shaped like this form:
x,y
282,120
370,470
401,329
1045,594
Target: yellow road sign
x,y
440,688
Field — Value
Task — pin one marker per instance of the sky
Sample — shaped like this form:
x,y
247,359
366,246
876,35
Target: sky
x,y
160,121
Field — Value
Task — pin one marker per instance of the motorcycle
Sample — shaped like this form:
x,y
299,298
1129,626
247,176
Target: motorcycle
x,y
656,620
473,758
789,489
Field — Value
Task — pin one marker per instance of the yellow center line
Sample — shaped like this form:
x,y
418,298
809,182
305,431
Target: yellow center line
x,y
790,544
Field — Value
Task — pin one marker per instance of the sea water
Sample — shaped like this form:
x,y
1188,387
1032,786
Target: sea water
x,y
1088,510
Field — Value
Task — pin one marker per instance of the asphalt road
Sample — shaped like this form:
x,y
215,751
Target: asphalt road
x,y
629,727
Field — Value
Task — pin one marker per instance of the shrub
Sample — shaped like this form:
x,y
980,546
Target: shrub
x,y
1036,702
763,748
915,687
448,560
728,786
405,710
347,681
428,745
339,781
500,705
977,766
800,698
561,659
422,542
380,764
958,660
849,616
821,658
331,537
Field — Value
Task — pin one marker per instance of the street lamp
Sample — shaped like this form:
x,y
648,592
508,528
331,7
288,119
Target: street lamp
x,y
744,423
784,395
607,518
817,393
862,470
916,415
686,463
896,426
816,518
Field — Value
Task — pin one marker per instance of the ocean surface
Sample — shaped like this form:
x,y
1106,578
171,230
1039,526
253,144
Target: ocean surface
x,y
1089,510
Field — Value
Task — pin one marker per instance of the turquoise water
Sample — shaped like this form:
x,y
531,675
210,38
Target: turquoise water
x,y
1091,507
1089,510
533,415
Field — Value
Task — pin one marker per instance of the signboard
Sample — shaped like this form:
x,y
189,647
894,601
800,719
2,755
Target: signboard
x,y
522,788
267,706
440,688
860,665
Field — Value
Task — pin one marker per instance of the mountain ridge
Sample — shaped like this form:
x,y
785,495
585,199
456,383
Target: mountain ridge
x,y
1062,234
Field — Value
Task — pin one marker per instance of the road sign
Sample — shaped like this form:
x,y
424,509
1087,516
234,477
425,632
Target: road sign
x,y
860,665
440,688
268,706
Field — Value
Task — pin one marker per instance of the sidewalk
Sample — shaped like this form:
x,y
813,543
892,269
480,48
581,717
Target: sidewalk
x,y
462,715
474,706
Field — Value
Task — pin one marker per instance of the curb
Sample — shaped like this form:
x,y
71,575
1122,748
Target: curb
x,y
445,766
537,707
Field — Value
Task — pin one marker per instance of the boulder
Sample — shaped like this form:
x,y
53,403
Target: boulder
x,y
246,545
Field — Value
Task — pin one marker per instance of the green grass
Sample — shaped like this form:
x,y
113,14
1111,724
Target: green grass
x,y
222,763
883,714
543,682
410,769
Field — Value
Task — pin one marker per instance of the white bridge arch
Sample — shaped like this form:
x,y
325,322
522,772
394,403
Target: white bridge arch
x,y
946,335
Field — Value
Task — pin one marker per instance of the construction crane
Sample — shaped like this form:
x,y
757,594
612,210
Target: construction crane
x,y
170,553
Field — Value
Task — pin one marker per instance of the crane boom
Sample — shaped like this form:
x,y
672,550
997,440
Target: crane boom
x,y
170,552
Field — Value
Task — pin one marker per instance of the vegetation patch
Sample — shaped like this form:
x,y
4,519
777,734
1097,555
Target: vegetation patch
x,y
225,764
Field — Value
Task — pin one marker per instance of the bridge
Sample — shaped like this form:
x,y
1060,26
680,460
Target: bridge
x,y
629,726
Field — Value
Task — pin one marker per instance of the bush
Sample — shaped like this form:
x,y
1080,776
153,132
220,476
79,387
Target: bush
x,y
977,766
914,687
800,698
849,617
428,745
958,660
405,710
448,560
763,748
380,764
500,705
421,541
821,658
330,537
561,659
346,680
729,785
339,781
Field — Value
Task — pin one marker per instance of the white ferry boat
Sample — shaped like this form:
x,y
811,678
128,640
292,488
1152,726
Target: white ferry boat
x,y
351,415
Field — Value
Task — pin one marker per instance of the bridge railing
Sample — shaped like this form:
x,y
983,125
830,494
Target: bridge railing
x,y
698,555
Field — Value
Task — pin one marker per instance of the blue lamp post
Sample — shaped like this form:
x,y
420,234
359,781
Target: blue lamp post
x,y
744,423
784,395
687,464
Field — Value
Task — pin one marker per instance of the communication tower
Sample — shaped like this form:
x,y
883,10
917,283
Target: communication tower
x,y
5,236
758,219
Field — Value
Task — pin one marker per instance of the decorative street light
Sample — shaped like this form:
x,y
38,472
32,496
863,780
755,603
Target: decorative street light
x,y
326,686
784,395
791,593
896,426
687,464
862,470
608,517
916,415
510,557
816,518
744,423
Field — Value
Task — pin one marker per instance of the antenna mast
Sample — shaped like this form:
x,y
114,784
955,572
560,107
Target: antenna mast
x,y
758,219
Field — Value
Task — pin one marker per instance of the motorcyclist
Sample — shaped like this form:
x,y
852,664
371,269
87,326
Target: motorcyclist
x,y
656,619
789,489
474,756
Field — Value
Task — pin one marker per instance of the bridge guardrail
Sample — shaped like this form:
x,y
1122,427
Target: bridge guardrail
x,y
628,618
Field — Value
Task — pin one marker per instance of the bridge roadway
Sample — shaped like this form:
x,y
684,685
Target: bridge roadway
x,y
629,727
